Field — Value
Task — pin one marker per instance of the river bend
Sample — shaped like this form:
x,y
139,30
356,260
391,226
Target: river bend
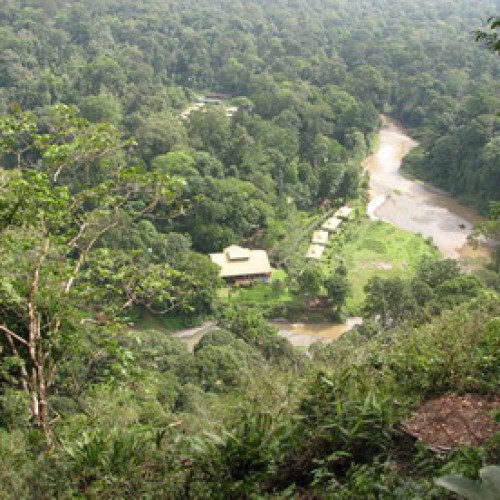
x,y
413,205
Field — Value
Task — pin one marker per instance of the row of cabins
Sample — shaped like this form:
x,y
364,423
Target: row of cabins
x,y
243,265
321,237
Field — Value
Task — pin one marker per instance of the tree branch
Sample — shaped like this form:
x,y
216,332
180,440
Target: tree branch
x,y
11,334
83,255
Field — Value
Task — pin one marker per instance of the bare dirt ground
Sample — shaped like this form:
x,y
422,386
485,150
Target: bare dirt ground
x,y
452,421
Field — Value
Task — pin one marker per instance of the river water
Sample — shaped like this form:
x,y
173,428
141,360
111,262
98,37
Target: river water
x,y
413,205
305,334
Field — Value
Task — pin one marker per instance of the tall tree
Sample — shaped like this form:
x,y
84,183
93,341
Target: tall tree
x,y
50,231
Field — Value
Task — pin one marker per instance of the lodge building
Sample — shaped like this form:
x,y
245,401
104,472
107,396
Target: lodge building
x,y
242,265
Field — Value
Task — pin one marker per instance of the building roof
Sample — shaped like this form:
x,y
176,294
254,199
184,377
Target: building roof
x,y
343,212
315,251
320,237
238,261
231,110
332,224
219,95
234,252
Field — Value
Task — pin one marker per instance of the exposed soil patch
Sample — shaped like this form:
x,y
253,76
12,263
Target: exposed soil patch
x,y
384,266
452,421
317,303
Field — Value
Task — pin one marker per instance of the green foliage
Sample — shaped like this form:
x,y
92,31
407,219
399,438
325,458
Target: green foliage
x,y
455,353
101,452
236,462
437,285
17,464
490,37
220,338
490,229
49,245
248,324
310,281
158,133
487,488
343,421
102,108
91,225
109,464
175,163
435,273
389,299
221,367
338,288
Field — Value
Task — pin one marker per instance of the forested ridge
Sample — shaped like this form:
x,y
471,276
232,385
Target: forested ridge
x,y
115,184
135,65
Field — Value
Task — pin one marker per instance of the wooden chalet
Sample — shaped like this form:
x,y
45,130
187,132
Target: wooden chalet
x,y
242,265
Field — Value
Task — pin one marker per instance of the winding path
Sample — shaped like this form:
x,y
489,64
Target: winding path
x,y
191,336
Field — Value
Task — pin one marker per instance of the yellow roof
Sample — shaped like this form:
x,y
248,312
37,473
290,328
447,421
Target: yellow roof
x,y
332,224
343,212
234,252
239,261
320,237
315,251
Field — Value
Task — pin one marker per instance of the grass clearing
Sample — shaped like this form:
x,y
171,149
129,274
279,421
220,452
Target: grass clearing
x,y
375,248
144,320
262,293
275,292
278,274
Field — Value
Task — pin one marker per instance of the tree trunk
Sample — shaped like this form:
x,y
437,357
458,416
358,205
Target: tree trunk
x,y
37,385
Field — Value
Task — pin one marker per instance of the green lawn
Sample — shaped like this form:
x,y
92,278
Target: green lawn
x,y
263,293
279,274
372,248
144,320
368,248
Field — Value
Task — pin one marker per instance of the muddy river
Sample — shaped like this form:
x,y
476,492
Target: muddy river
x,y
305,334
414,205
299,334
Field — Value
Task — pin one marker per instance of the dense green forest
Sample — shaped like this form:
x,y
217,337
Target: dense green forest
x,y
111,197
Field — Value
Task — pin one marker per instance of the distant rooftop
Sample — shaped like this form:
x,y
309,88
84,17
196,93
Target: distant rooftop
x,y
320,237
343,212
218,95
332,224
315,251
234,252
231,111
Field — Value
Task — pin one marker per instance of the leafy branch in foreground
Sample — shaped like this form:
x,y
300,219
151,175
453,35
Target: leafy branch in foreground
x,y
486,488
51,225
491,38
